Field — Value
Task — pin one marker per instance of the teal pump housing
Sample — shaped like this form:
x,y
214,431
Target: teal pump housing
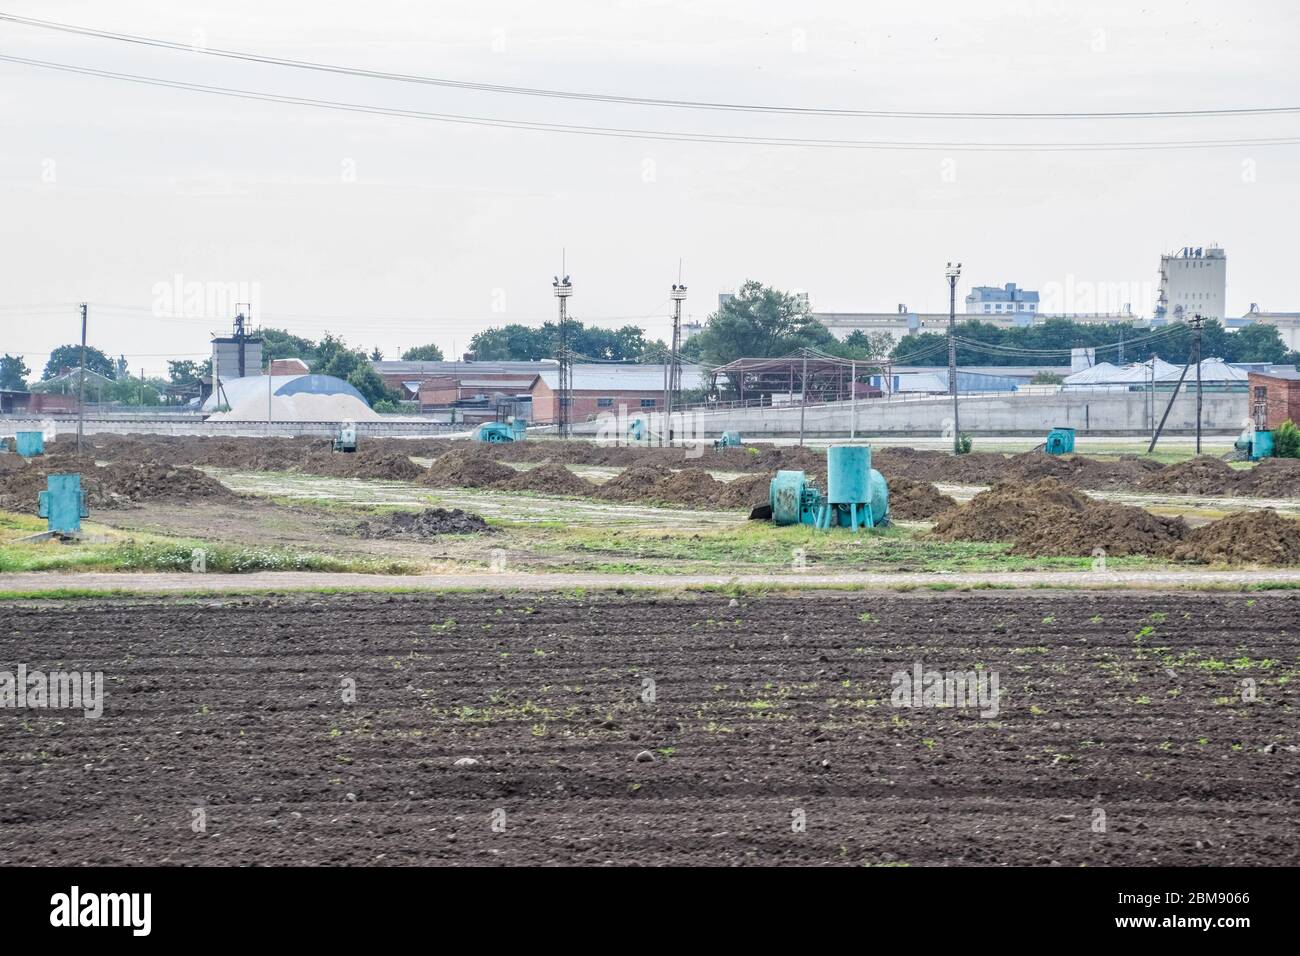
x,y
728,440
1060,441
856,494
29,444
494,433
63,504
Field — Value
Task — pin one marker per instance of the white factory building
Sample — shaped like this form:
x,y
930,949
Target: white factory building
x,y
1193,281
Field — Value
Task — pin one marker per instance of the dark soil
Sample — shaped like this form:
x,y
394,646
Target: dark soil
x,y
549,478
777,709
1248,537
428,523
1047,517
917,500
116,485
466,468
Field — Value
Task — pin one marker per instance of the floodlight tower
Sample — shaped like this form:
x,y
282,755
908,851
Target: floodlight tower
x,y
563,289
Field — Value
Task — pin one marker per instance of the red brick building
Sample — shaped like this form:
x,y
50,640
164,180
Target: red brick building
x,y
1274,397
604,388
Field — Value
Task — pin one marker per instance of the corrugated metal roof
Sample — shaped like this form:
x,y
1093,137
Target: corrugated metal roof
x,y
623,378
462,368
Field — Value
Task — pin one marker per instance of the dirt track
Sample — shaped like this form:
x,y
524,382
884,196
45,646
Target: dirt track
x,y
1127,703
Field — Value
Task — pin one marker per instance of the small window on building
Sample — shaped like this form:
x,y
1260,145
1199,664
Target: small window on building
x,y
566,402
649,402
604,403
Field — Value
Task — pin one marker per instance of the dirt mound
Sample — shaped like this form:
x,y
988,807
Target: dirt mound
x,y
916,500
635,483
1047,517
1008,509
1117,530
428,523
1197,476
1271,478
744,493
465,468
1248,537
363,463
1127,472
116,485
550,478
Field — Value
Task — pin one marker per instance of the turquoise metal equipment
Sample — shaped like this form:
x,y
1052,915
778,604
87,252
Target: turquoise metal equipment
x,y
857,495
1252,445
346,439
636,429
494,433
63,504
728,440
29,444
1060,441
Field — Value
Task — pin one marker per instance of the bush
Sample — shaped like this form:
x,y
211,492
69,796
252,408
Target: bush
x,y
964,443
1286,440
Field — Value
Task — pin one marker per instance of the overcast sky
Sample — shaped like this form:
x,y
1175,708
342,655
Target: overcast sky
x,y
394,232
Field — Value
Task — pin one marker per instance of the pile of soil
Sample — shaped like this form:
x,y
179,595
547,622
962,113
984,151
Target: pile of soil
x,y
1247,537
363,463
1047,517
744,493
428,523
1271,478
464,468
916,500
635,483
1198,476
116,485
550,478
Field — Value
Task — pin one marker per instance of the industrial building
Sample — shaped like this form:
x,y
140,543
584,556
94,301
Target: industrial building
x,y
1193,281
288,398
598,388
1009,299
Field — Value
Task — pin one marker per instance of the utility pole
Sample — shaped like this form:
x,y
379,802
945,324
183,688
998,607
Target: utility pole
x,y
853,399
1197,322
803,395
563,289
953,272
678,295
81,382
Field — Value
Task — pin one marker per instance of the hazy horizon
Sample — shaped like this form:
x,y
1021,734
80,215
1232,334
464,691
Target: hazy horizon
x,y
397,232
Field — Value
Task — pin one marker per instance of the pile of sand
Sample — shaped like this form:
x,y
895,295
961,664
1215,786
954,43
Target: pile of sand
x,y
916,500
428,523
1247,537
1048,518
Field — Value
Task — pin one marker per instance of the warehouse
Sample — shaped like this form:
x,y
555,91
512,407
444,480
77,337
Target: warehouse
x,y
601,388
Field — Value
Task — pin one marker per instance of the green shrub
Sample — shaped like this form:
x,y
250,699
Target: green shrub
x,y
1286,440
964,443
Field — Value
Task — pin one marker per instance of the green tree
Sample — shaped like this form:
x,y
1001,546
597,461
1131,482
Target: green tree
x,y
759,322
278,344
69,356
1258,343
1286,440
423,353
333,357
13,372
186,372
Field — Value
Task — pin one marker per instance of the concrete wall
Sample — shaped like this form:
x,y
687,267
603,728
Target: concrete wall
x,y
1094,413
176,425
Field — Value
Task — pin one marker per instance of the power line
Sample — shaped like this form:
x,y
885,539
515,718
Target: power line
x,y
649,134
630,100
